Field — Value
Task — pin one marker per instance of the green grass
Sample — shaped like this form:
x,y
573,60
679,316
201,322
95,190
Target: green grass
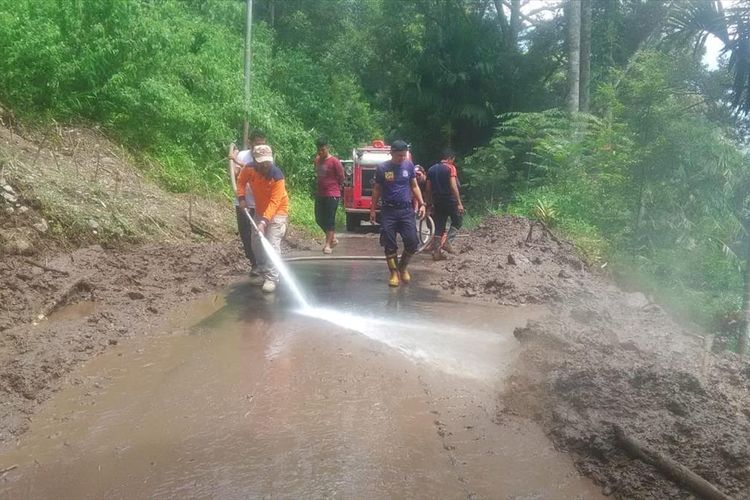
x,y
302,213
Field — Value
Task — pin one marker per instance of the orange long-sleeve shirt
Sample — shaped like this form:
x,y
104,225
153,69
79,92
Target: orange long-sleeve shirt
x,y
270,194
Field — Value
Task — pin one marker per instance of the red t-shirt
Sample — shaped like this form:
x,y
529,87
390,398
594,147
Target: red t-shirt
x,y
330,175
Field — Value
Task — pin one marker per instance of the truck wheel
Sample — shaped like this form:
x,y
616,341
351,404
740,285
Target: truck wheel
x,y
352,222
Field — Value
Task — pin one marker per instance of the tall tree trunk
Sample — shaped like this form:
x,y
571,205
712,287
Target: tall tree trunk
x,y
574,54
515,23
501,18
509,27
742,343
585,55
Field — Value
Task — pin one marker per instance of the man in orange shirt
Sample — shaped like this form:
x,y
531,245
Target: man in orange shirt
x,y
245,156
271,206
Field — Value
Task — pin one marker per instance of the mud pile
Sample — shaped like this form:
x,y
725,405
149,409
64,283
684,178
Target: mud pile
x,y
125,292
607,358
510,261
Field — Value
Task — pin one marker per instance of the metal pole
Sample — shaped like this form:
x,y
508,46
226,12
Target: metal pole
x,y
248,65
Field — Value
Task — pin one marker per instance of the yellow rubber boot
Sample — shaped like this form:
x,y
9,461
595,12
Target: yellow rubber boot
x,y
405,258
392,261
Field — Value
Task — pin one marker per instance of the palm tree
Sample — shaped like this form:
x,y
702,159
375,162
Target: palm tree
x,y
695,20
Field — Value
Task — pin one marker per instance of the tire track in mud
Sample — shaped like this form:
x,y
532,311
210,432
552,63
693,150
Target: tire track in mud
x,y
444,434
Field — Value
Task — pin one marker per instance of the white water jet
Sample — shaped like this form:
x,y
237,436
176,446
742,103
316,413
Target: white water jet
x,y
454,350
280,265
285,272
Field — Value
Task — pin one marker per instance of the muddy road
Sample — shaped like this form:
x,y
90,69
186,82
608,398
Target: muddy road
x,y
499,373
377,393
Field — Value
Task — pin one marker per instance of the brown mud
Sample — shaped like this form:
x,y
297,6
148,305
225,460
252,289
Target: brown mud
x,y
117,293
603,357
57,312
606,357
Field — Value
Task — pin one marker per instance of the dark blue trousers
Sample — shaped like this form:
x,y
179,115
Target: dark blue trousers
x,y
395,221
442,210
246,231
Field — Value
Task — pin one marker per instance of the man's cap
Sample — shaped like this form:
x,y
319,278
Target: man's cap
x,y
262,153
399,145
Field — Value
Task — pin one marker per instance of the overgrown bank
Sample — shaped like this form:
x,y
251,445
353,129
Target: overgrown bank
x,y
68,186
655,185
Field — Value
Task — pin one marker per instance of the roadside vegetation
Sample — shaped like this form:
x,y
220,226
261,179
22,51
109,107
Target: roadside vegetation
x,y
647,171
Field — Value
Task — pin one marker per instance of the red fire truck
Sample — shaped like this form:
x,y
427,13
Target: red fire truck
x,y
360,178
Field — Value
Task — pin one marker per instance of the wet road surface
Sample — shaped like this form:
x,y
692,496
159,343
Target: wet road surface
x,y
377,393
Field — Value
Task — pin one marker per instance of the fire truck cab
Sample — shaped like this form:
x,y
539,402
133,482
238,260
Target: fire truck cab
x,y
360,179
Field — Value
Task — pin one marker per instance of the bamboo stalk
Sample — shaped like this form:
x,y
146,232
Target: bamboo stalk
x,y
678,473
46,268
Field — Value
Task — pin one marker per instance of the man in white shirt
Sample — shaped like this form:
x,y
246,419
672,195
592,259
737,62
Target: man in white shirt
x,y
245,157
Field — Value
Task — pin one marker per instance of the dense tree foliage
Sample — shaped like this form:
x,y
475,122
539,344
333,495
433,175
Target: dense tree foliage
x,y
653,179
166,78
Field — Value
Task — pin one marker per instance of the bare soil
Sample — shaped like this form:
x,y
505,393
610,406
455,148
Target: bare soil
x,y
130,290
607,357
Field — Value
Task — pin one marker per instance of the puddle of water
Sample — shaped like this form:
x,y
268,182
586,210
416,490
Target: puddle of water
x,y
396,398
74,311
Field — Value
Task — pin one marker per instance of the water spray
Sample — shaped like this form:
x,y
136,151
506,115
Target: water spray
x,y
424,342
279,263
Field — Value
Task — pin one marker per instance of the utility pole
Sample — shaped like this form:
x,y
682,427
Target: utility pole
x,y
248,65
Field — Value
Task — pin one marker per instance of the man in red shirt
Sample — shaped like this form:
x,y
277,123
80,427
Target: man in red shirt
x,y
330,175
443,193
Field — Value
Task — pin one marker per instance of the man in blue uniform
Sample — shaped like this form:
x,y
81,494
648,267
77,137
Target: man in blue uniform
x,y
395,185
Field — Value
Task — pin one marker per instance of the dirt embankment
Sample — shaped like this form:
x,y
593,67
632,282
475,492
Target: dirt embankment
x,y
67,187
605,357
